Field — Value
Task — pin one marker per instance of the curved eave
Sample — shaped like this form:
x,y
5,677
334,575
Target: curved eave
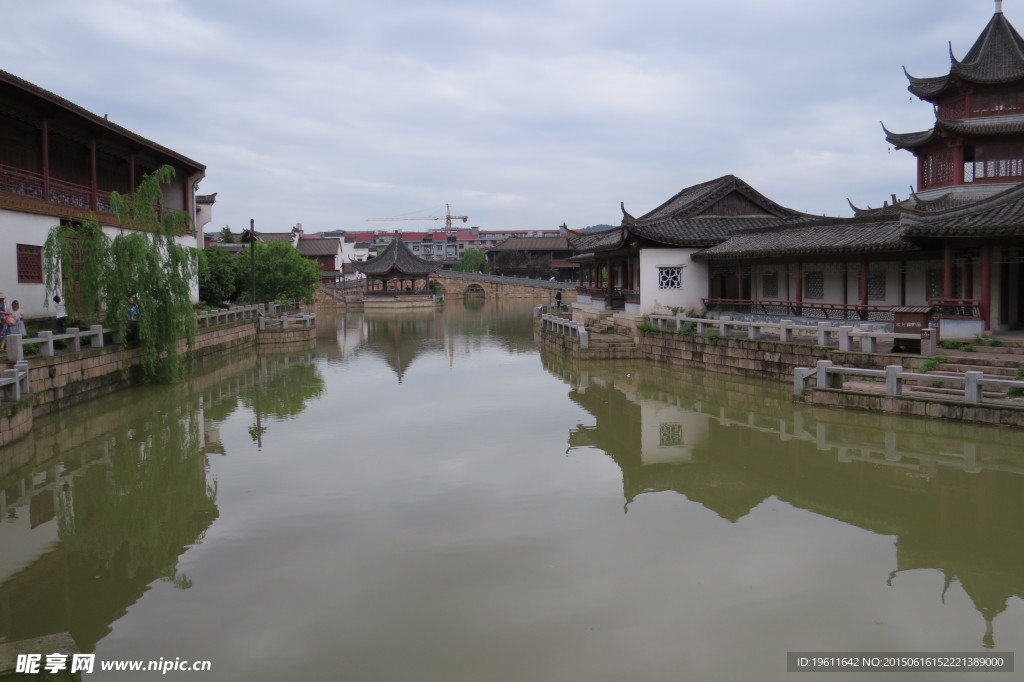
x,y
809,251
965,232
927,88
909,141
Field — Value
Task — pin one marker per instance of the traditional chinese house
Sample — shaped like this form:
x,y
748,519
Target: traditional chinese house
x,y
955,245
397,271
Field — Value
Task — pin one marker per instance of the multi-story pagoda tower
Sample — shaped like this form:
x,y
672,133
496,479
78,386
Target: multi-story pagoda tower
x,y
976,147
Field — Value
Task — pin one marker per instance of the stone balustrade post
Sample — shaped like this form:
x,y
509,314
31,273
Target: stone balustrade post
x,y
823,329
844,338
822,372
96,331
46,343
893,383
75,339
972,389
785,333
15,352
754,331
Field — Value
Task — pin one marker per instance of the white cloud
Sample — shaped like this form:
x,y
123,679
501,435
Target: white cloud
x,y
524,114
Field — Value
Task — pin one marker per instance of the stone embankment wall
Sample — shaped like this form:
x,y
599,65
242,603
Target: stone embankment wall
x,y
68,379
914,406
768,359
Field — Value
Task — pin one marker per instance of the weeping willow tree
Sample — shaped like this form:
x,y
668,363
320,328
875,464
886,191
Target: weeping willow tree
x,y
102,276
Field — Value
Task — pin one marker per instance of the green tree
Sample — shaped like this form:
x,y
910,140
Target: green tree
x,y
282,274
225,235
216,276
472,260
143,261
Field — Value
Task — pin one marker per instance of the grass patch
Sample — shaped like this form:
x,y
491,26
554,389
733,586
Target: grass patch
x,y
931,364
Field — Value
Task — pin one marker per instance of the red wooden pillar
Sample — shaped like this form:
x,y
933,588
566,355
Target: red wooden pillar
x,y
846,286
739,281
947,272
986,285
93,183
799,282
864,282
46,160
609,285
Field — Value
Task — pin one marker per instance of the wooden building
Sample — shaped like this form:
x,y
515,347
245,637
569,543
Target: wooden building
x,y
956,244
59,162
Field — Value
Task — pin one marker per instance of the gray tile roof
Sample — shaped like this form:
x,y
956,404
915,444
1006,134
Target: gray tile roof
x,y
997,56
329,246
598,241
831,236
998,215
705,214
398,259
994,125
532,244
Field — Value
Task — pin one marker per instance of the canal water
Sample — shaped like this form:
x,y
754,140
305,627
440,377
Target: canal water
x,y
426,496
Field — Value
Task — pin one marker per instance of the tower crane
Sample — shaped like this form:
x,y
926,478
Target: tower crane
x,y
448,218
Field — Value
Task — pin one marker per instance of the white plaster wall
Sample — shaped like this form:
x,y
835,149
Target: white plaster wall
x,y
694,281
22,228
27,228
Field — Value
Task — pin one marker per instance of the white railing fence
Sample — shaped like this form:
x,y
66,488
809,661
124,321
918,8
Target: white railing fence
x,y
828,375
14,383
560,325
787,331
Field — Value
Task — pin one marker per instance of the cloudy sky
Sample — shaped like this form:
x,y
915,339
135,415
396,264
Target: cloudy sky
x,y
519,114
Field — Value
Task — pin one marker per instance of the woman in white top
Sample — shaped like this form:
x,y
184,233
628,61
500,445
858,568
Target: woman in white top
x,y
19,328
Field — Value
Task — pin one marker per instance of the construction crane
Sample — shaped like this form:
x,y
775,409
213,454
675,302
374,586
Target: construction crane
x,y
448,218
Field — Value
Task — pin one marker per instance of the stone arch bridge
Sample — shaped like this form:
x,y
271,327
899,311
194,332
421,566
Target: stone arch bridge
x,y
494,286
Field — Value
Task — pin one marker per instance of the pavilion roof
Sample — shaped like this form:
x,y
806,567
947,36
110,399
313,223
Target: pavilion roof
x,y
999,215
994,125
396,258
997,56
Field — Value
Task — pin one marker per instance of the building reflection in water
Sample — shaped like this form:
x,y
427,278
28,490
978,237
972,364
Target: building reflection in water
x,y
952,495
98,504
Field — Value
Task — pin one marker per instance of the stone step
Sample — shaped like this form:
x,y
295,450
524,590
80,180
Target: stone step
x,y
959,369
952,391
999,350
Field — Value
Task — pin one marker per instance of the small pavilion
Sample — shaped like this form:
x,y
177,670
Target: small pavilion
x,y
397,270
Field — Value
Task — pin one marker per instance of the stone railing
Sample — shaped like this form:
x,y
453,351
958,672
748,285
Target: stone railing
x,y
14,383
786,330
16,342
828,375
247,312
560,325
303,320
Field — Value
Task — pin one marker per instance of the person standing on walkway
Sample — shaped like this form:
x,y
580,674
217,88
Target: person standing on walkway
x,y
62,315
19,317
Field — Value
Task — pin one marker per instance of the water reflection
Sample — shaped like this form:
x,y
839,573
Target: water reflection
x,y
952,495
106,498
400,337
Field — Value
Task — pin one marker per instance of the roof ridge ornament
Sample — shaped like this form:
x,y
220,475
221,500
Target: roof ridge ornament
x,y
999,6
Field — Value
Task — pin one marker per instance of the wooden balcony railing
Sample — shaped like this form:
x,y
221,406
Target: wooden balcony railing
x,y
956,307
825,311
29,184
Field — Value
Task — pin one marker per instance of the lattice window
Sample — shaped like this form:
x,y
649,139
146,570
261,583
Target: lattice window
x,y
670,276
770,284
30,264
814,284
671,434
876,284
